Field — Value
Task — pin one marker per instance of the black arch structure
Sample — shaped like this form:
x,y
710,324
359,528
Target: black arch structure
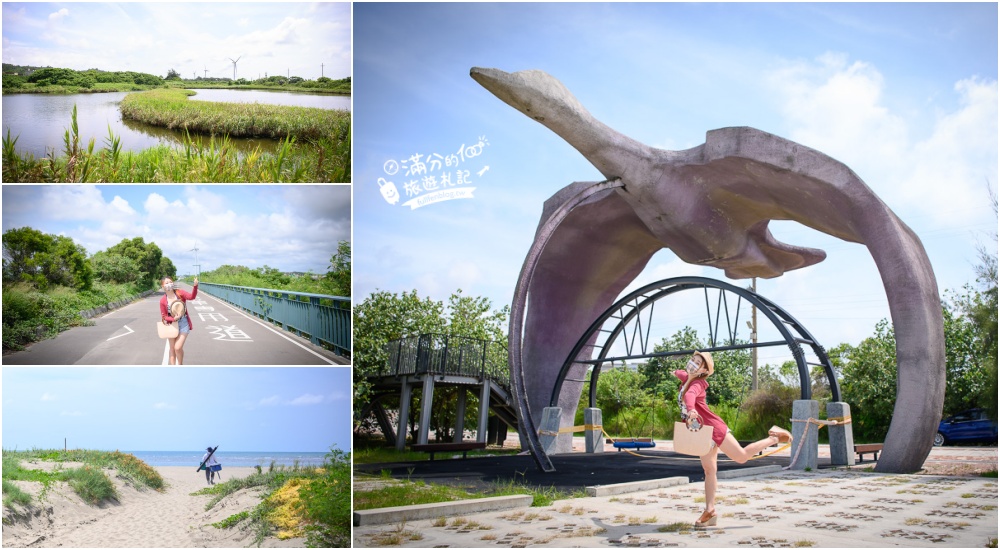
x,y
628,313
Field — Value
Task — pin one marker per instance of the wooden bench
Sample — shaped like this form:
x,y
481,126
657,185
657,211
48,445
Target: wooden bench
x,y
464,446
869,448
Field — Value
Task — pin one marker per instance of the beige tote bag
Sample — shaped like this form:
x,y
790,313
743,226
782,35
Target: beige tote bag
x,y
692,442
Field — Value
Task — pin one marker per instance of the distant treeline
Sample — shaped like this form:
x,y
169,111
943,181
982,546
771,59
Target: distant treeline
x,y
28,79
335,282
20,78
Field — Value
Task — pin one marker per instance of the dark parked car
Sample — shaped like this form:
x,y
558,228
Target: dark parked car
x,y
970,425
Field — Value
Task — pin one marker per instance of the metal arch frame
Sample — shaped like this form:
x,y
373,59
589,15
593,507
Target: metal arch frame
x,y
629,308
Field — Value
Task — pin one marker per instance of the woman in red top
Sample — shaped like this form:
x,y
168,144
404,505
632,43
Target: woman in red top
x,y
171,296
695,411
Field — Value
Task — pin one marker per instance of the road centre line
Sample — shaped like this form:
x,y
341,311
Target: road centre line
x,y
166,352
330,361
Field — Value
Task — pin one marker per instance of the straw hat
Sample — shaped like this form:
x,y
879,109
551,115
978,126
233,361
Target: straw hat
x,y
177,309
707,358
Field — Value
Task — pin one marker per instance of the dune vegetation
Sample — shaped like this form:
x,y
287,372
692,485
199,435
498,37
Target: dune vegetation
x,y
89,481
311,502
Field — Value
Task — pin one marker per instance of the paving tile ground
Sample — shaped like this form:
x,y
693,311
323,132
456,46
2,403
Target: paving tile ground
x,y
827,508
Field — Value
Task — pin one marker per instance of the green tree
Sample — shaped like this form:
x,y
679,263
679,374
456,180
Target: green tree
x,y
166,268
19,247
115,268
173,75
384,316
339,276
43,259
870,383
146,255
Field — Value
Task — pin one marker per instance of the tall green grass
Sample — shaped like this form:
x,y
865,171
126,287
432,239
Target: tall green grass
x,y
30,314
12,494
93,485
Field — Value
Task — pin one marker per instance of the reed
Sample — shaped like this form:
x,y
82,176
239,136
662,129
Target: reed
x,y
212,160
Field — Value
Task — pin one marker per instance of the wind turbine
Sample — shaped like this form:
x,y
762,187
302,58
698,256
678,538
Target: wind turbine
x,y
206,72
234,64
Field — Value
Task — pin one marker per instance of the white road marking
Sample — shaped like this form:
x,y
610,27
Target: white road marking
x,y
330,361
166,351
130,331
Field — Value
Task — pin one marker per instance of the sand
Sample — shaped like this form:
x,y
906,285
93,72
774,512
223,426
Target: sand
x,y
141,519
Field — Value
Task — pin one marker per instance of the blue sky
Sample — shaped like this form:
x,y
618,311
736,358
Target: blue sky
x,y
177,409
904,94
152,37
292,228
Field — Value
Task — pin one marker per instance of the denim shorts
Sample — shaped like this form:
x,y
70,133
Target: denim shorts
x,y
183,326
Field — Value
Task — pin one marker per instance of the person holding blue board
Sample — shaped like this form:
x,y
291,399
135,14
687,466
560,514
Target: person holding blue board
x,y
210,465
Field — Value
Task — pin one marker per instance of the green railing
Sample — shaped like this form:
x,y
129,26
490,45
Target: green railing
x,y
325,320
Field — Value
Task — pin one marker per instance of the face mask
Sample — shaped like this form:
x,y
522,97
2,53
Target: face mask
x,y
692,367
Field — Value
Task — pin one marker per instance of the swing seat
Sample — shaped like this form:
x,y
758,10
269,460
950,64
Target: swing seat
x,y
633,443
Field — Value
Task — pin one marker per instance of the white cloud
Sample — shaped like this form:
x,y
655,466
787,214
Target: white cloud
x,y
306,399
164,406
48,397
58,15
269,401
841,108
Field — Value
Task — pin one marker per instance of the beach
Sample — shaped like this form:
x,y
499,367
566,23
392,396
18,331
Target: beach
x,y
141,519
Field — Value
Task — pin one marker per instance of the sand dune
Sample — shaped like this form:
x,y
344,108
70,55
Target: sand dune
x,y
141,519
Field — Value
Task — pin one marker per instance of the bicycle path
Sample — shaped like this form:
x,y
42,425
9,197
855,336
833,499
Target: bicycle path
x,y
222,335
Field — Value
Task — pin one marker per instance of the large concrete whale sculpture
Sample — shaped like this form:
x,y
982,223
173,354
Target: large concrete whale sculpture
x,y
710,205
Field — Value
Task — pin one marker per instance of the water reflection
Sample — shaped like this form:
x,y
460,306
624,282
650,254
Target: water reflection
x,y
271,97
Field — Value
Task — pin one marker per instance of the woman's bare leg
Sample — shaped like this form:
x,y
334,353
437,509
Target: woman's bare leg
x,y
710,464
740,454
179,348
173,356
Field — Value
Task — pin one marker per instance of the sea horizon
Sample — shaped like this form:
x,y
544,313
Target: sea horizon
x,y
232,458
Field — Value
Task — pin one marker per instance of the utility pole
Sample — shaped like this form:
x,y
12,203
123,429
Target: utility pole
x,y
321,70
198,265
753,336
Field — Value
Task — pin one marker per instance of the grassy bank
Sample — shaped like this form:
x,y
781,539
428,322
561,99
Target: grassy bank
x,y
322,153
384,491
314,502
170,108
89,481
30,314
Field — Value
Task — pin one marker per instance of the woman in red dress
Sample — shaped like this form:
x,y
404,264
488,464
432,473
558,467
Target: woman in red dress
x,y
171,312
695,411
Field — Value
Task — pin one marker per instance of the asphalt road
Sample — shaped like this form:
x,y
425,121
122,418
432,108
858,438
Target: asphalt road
x,y
222,335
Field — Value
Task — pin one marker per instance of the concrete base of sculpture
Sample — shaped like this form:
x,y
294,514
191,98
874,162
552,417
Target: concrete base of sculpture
x,y
841,435
805,435
593,431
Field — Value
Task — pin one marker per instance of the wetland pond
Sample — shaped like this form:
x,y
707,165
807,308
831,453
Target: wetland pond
x,y
39,121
